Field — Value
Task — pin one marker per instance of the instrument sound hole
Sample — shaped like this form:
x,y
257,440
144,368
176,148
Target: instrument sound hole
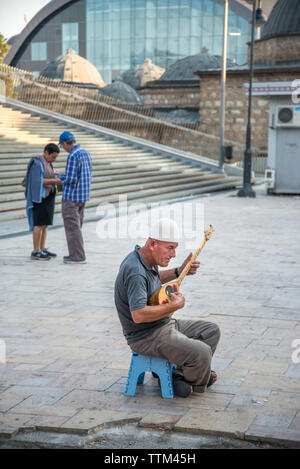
x,y
170,289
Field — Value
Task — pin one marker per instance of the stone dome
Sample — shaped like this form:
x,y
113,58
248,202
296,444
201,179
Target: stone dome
x,y
184,69
73,68
120,90
284,19
12,39
140,75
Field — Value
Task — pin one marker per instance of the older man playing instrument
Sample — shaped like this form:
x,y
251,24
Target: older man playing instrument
x,y
150,329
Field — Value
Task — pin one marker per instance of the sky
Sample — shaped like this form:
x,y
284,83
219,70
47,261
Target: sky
x,y
12,14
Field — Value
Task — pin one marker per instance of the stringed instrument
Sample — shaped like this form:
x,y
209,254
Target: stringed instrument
x,y
163,294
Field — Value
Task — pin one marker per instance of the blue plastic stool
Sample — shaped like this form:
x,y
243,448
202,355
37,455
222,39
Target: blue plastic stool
x,y
140,364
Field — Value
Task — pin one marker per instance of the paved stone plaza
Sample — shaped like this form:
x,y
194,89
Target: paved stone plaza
x,y
67,361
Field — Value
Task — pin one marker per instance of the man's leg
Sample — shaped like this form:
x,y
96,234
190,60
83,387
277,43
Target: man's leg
x,y
36,238
191,351
72,224
81,212
43,237
207,333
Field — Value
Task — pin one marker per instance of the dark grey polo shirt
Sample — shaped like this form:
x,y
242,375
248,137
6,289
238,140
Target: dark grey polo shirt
x,y
134,285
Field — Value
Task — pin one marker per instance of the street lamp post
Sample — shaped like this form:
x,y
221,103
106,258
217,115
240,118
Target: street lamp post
x,y
246,190
223,85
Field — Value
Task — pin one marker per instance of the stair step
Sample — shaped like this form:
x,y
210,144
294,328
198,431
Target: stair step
x,y
139,175
130,184
118,168
150,189
135,197
96,160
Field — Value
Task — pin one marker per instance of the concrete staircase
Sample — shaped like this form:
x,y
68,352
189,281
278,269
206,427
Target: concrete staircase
x,y
118,167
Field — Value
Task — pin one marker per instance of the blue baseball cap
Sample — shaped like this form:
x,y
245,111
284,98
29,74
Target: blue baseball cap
x,y
66,137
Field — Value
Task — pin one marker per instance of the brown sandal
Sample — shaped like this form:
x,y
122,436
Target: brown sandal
x,y
211,379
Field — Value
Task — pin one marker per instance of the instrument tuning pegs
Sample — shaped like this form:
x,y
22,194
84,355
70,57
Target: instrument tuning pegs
x,y
208,232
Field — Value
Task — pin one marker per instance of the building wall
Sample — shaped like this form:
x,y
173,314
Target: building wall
x,y
115,35
277,49
172,97
236,115
54,35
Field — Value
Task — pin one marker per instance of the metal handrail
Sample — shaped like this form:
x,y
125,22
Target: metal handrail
x,y
91,106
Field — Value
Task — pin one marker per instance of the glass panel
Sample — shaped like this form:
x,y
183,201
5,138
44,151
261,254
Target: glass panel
x,y
162,26
195,26
173,27
162,9
150,47
173,46
195,45
115,48
173,9
185,8
125,48
208,7
151,27
139,27
184,47
125,9
207,44
161,46
38,51
151,9
184,26
115,29
207,24
69,37
197,6
161,30
217,39
125,29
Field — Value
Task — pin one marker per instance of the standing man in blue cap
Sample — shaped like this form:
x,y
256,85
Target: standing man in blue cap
x,y
76,191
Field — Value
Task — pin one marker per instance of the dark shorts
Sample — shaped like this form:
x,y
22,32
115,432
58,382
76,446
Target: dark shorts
x,y
44,211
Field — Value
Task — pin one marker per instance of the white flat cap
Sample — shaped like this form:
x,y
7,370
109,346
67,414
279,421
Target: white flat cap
x,y
166,230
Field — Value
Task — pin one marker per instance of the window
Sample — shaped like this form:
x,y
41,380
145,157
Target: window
x,y
70,37
39,51
161,30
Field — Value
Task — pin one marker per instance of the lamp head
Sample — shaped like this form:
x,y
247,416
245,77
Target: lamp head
x,y
260,20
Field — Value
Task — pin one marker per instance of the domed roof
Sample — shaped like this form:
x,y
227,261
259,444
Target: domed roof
x,y
284,19
12,39
140,75
72,68
184,69
120,90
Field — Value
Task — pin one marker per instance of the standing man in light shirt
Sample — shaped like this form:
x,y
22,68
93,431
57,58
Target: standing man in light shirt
x,y
76,191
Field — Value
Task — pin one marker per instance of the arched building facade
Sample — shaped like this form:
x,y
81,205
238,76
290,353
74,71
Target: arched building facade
x,y
115,35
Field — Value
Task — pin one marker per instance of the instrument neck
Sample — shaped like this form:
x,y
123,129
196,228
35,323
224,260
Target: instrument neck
x,y
187,267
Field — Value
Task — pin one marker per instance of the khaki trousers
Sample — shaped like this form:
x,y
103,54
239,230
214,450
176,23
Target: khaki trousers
x,y
188,344
72,213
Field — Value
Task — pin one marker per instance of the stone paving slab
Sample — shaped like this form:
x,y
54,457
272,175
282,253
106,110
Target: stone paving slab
x,y
66,360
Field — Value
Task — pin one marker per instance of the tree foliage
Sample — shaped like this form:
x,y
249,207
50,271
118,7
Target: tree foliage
x,y
4,47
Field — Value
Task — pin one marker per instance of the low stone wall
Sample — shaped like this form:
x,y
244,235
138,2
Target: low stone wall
x,y
277,49
171,97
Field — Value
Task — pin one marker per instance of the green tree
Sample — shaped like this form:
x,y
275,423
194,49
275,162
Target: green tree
x,y
4,47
